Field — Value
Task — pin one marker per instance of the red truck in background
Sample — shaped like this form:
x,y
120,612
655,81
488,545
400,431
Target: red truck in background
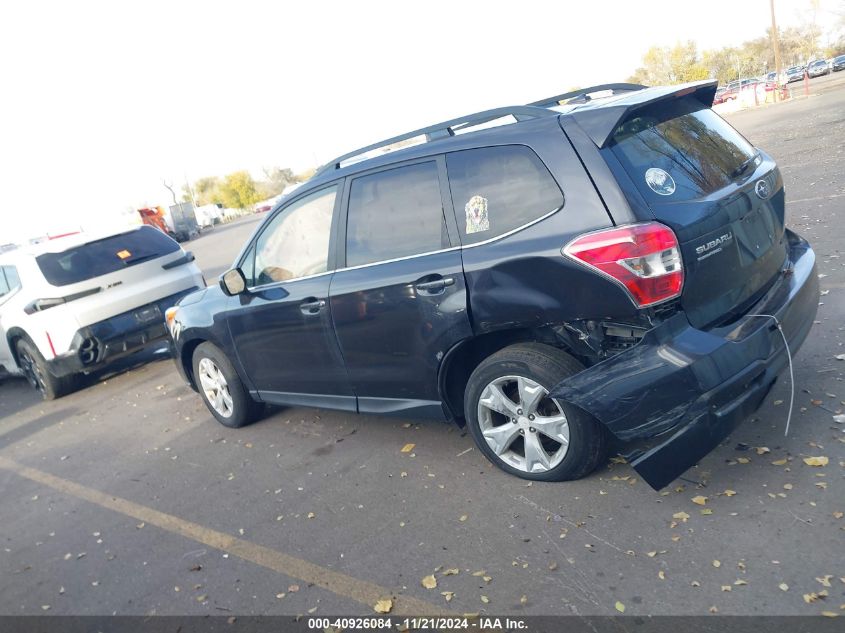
x,y
179,221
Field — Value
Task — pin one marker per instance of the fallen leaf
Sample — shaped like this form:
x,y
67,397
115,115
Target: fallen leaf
x,y
384,605
140,525
448,595
809,598
816,461
281,595
839,419
661,574
699,500
403,474
743,460
787,486
620,607
408,448
713,610
825,580
762,450
452,572
739,582
830,614
729,493
552,566
195,568
45,607
726,587
463,518
479,573
293,588
683,516
706,511
311,515
838,515
202,598
523,600
695,583
779,462
651,554
485,599
840,357
231,619
429,582
717,564
783,586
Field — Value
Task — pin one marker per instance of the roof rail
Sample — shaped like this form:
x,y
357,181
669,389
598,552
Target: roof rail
x,y
445,129
584,92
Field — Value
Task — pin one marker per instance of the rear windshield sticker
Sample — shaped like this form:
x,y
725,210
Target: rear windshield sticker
x,y
476,212
659,181
124,254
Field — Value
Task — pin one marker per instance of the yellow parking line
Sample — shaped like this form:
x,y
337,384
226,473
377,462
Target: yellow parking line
x,y
362,591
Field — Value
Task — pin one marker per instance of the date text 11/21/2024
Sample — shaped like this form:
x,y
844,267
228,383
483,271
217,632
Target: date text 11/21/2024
x,y
419,623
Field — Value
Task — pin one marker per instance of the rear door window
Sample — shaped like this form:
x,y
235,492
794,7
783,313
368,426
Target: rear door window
x,y
698,150
498,189
105,256
395,213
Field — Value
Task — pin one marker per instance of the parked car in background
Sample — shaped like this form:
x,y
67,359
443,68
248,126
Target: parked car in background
x,y
579,278
838,63
818,68
795,73
73,305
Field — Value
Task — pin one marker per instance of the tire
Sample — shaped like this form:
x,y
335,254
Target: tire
x,y
531,365
221,388
37,372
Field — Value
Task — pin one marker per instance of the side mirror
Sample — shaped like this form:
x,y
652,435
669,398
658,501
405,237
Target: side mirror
x,y
233,282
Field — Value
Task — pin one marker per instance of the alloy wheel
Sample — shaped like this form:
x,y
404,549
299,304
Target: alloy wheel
x,y
522,425
215,387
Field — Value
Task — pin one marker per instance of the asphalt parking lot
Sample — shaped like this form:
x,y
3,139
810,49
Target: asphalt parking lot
x,y
127,497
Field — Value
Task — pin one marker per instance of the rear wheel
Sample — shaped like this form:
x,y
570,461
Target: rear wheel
x,y
221,388
37,372
519,427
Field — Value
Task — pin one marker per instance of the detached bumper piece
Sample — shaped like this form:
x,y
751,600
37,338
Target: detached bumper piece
x,y
99,344
675,396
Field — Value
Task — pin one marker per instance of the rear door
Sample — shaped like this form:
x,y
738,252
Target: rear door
x,y
281,326
723,198
400,302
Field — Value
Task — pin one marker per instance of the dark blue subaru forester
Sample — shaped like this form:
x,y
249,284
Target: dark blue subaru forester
x,y
601,269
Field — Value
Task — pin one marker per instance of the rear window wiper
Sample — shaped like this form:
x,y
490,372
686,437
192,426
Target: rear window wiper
x,y
744,166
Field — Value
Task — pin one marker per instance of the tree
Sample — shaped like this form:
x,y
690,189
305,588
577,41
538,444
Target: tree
x,y
670,65
238,190
207,190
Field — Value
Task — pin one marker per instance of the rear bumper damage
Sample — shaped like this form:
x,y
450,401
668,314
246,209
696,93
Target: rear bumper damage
x,y
680,391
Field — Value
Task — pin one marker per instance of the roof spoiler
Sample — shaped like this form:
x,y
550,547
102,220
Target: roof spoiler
x,y
600,123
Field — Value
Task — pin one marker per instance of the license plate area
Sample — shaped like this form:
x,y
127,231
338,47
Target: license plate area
x,y
148,314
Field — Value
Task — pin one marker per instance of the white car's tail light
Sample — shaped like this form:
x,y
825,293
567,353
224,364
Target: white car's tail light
x,y
644,258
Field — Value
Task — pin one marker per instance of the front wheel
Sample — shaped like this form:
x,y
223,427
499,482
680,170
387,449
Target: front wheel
x,y
519,427
221,389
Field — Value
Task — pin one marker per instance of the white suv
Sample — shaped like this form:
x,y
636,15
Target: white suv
x,y
74,304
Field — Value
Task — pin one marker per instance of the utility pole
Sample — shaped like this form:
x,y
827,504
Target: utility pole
x,y
776,46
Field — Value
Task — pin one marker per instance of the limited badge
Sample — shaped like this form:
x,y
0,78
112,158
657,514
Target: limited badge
x,y
659,181
476,212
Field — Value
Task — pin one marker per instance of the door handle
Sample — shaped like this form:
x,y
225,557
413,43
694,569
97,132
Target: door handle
x,y
312,305
435,286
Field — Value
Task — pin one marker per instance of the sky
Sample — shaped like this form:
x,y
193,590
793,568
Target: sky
x,y
102,101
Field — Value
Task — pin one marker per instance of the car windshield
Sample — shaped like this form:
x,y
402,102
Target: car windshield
x,y
691,145
105,256
841,58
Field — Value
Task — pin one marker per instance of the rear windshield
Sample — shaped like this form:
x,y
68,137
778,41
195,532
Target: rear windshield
x,y
105,256
680,150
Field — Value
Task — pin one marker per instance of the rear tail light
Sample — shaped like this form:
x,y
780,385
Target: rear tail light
x,y
644,258
42,304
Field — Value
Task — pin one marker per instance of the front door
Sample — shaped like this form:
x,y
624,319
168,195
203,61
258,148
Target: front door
x,y
400,303
282,326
